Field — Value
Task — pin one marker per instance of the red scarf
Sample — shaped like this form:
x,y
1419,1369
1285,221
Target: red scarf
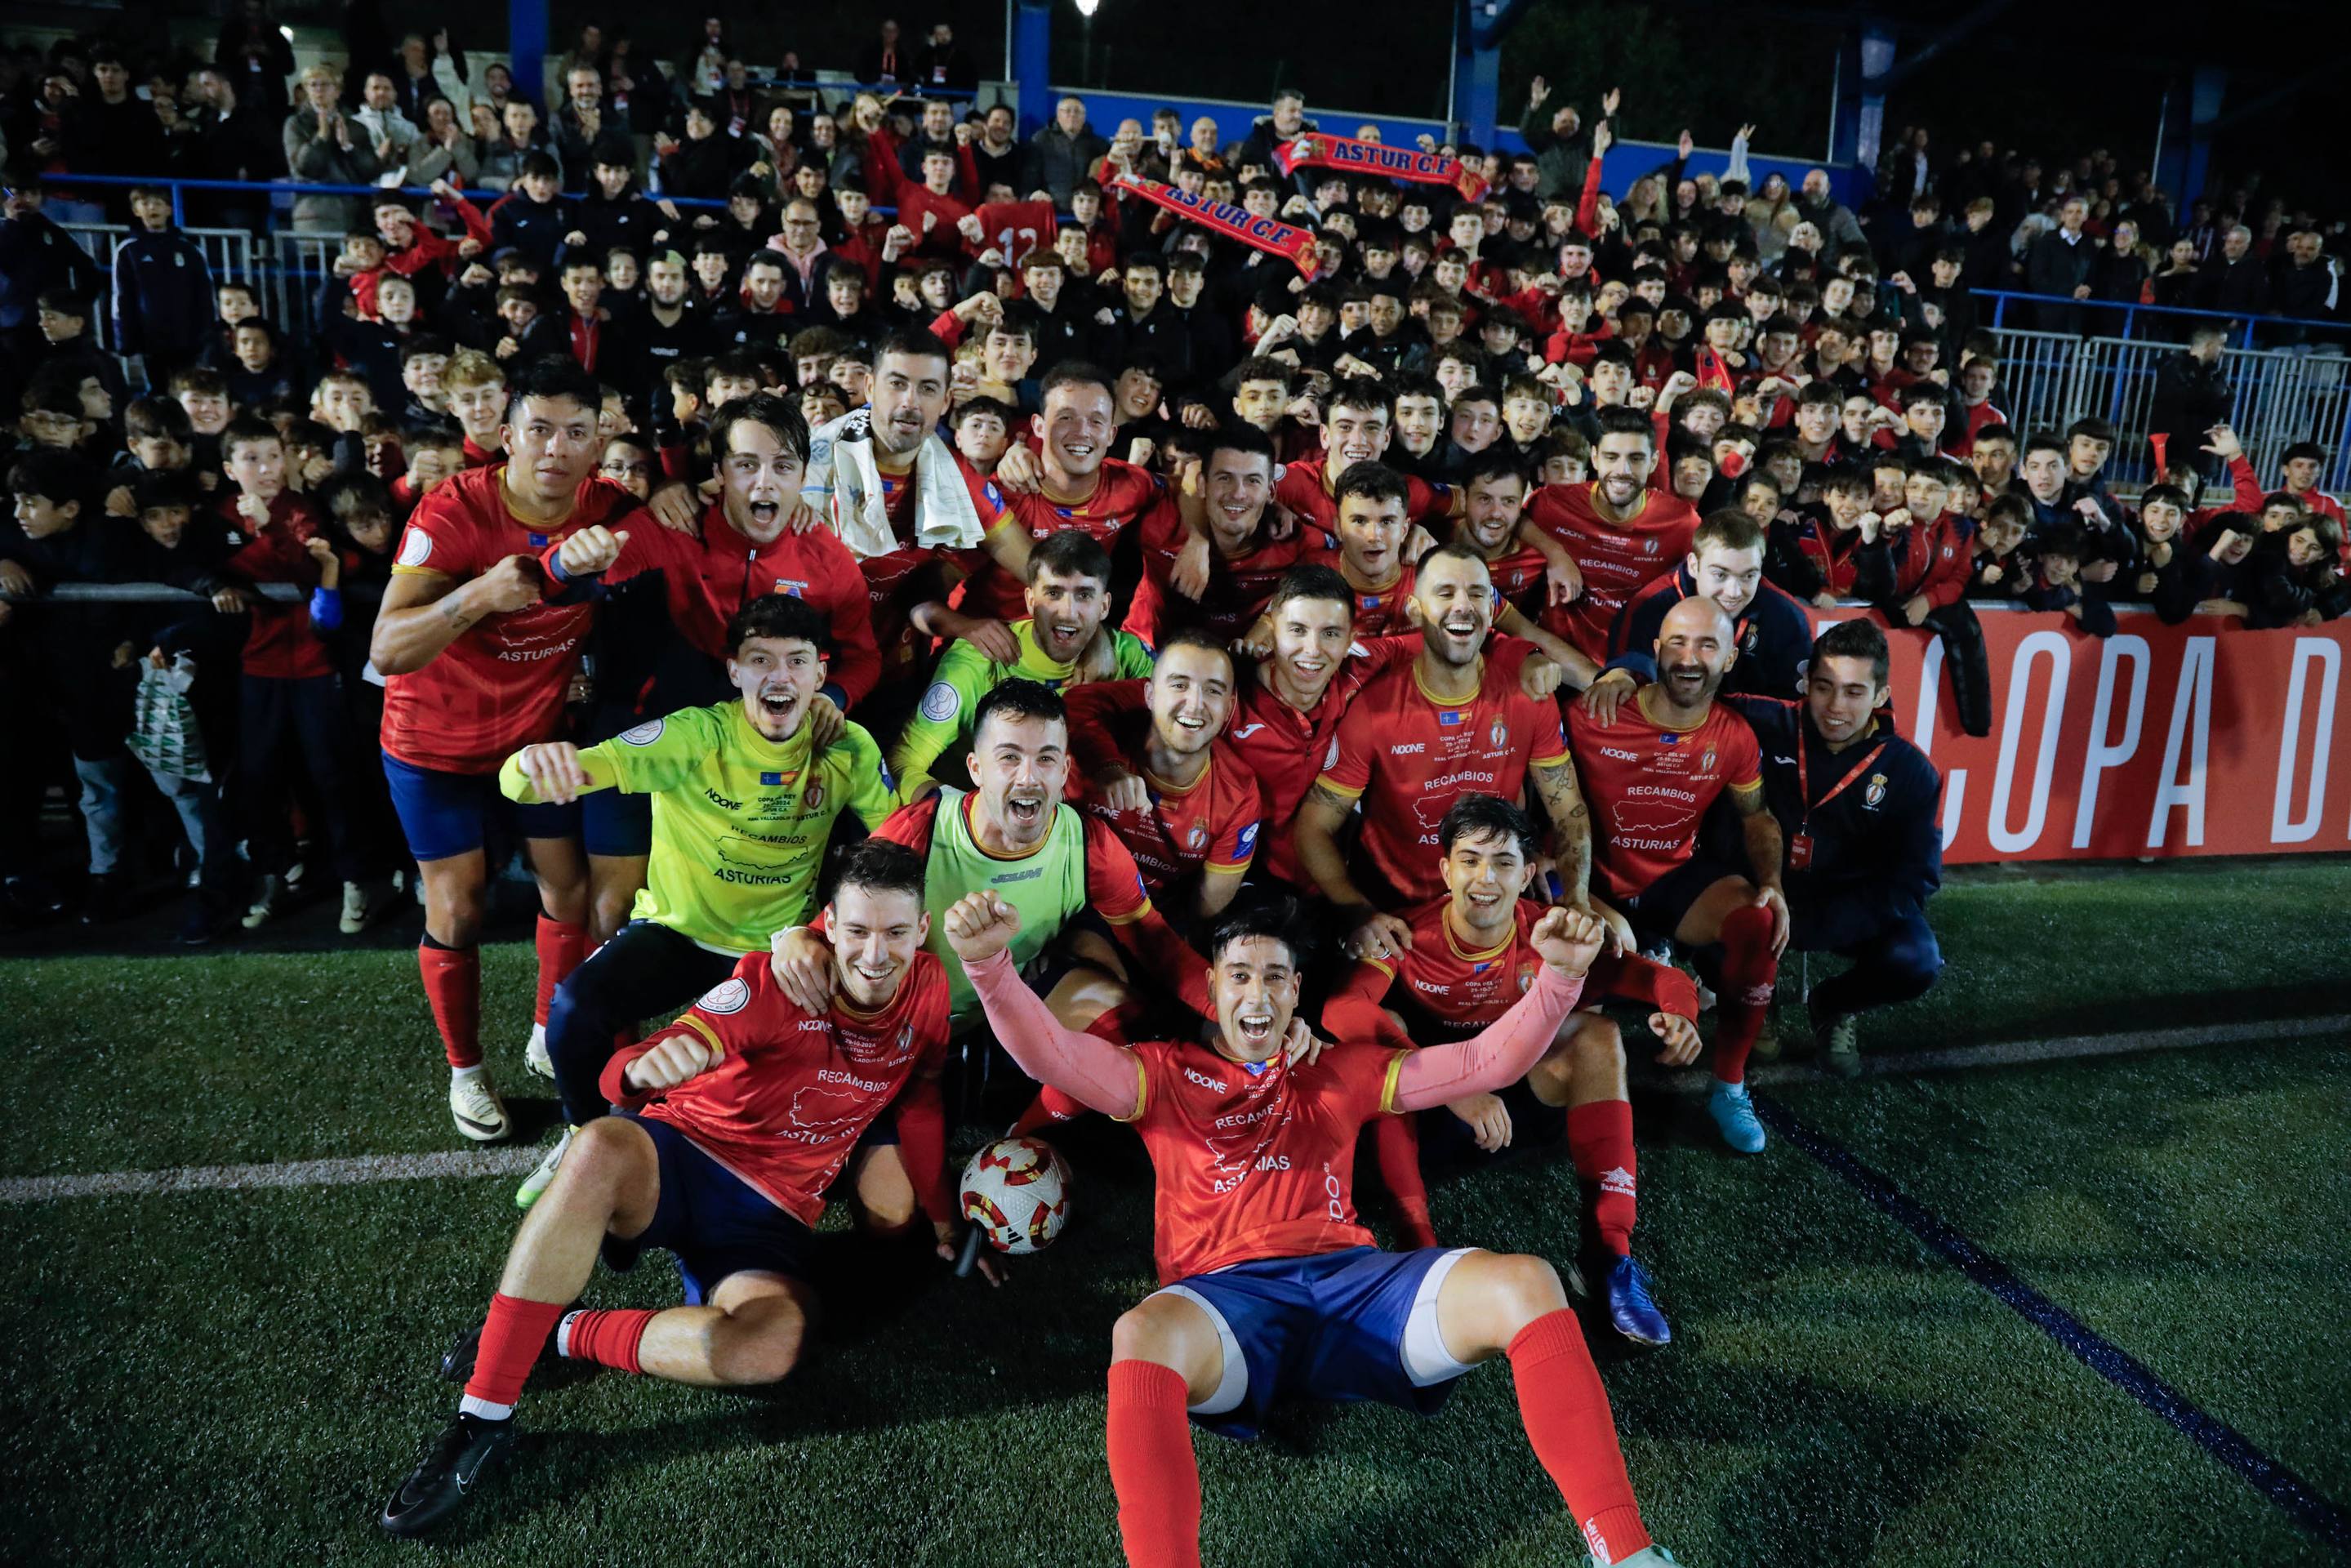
x,y
1233,223
1320,150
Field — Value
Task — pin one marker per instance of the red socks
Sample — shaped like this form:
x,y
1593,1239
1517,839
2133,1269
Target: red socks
x,y
1567,1423
452,984
561,946
1748,969
1049,1109
1600,1141
607,1338
1152,1468
1395,1140
512,1337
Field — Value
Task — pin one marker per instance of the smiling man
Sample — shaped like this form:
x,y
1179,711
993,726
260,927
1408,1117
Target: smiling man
x,y
743,797
1773,630
1067,599
716,1157
1621,532
478,638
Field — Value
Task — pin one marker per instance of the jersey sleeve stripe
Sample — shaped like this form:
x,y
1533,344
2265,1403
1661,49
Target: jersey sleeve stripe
x,y
705,1030
1326,782
1388,1086
1142,1091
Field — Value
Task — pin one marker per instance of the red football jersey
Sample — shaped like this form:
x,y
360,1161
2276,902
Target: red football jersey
x,y
1617,560
1306,488
1519,578
1015,229
500,685
1285,748
1239,590
1410,757
1254,1164
279,642
1448,992
1379,613
1209,828
1124,495
1650,788
792,1091
707,581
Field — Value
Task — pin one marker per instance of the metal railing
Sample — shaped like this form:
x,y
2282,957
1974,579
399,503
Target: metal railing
x,y
2049,380
229,255
2158,322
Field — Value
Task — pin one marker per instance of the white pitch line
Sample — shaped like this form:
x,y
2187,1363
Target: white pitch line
x,y
291,1173
2017,1053
511,1161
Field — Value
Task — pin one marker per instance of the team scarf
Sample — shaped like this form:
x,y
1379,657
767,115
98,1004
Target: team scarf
x,y
1233,223
1319,149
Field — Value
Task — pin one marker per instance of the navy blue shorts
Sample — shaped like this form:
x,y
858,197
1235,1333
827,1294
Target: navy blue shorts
x,y
715,1222
1656,911
445,814
618,825
1357,1324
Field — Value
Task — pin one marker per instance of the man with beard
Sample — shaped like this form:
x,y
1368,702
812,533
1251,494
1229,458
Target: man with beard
x,y
1067,599
712,1158
1227,587
1468,962
1013,836
1371,530
1418,739
1069,481
1269,1282
1725,564
669,329
1621,532
900,498
1654,771
1527,576
744,794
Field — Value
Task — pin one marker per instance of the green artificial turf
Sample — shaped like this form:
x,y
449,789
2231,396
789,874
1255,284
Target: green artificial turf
x,y
239,1377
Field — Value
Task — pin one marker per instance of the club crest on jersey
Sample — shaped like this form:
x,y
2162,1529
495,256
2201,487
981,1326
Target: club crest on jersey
x,y
1196,839
1526,976
814,798
1498,738
1875,796
1705,763
1649,546
729,995
415,548
644,733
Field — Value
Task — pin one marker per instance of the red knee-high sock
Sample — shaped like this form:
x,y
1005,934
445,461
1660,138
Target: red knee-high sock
x,y
1152,1468
607,1338
561,944
1567,1423
452,984
1049,1109
1600,1141
512,1336
1748,969
1396,1142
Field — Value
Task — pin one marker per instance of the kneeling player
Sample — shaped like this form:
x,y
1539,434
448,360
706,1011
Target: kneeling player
x,y
1269,1281
715,1158
1467,957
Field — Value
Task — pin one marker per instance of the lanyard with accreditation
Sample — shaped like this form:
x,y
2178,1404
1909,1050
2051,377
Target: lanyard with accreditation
x,y
1799,847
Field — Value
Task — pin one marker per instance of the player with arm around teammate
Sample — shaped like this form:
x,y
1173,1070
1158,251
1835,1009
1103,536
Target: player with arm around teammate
x,y
736,1120
1268,1285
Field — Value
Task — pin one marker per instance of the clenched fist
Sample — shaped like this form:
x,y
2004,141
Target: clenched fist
x,y
591,551
1568,939
673,1058
980,926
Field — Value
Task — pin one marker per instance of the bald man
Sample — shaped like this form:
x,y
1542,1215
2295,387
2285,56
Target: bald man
x,y
1651,769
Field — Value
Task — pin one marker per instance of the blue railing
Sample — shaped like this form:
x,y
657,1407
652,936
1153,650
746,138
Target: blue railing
x,y
2100,313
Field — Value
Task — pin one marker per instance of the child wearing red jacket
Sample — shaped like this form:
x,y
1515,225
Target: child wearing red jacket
x,y
289,693
1917,574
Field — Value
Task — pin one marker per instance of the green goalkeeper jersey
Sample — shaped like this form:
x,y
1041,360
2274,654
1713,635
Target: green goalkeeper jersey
x,y
965,674
739,821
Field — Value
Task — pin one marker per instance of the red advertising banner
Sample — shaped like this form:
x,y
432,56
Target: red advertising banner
x,y
2199,739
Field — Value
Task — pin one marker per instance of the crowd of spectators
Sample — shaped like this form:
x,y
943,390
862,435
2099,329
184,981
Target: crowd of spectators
x,y
1820,370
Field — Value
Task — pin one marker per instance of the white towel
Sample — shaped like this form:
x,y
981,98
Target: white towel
x,y
844,483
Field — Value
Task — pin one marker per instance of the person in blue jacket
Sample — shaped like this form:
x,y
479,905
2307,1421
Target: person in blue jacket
x,y
162,289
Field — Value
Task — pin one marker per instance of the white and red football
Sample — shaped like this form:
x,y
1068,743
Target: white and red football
x,y
1016,1193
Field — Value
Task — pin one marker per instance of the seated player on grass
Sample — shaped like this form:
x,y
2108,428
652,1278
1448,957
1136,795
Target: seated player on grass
x,y
1268,1285
735,1122
1465,958
743,797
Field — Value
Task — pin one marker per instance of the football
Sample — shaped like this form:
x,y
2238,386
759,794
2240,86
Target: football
x,y
1016,1193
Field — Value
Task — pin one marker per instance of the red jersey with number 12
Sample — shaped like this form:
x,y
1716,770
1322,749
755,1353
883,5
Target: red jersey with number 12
x,y
500,685
1255,1163
1650,788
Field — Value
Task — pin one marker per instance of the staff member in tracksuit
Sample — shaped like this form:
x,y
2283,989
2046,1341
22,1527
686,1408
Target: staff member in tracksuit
x,y
1726,564
1857,805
